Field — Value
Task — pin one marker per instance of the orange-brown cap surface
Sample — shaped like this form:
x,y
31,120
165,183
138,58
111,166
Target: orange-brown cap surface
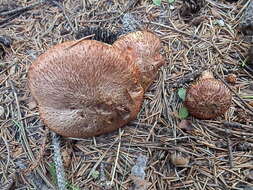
x,y
208,98
85,89
145,48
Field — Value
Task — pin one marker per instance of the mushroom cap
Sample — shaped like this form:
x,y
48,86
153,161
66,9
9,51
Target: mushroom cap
x,y
145,47
85,88
208,98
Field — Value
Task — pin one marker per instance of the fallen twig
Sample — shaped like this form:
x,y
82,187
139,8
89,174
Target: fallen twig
x,y
58,162
230,152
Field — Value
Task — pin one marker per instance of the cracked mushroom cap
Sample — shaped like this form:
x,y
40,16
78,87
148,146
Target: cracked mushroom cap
x,y
208,98
145,47
85,88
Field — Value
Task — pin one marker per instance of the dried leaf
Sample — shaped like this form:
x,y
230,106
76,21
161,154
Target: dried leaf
x,y
17,152
179,160
186,125
66,158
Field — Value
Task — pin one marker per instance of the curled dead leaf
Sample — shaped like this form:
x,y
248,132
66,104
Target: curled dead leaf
x,y
179,160
185,125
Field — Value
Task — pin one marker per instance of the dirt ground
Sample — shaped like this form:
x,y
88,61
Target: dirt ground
x,y
219,151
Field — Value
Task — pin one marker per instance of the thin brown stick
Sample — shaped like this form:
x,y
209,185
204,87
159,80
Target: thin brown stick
x,y
230,152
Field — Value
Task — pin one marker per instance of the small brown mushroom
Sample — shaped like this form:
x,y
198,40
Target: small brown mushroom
x,y
208,98
85,89
145,48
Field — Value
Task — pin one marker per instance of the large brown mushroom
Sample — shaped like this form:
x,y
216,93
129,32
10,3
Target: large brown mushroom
x,y
85,89
145,47
207,98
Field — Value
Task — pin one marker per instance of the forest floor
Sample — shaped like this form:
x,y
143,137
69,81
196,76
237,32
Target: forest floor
x,y
217,153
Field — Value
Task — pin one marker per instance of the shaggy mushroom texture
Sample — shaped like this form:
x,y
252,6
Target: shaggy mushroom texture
x,y
87,88
208,98
145,47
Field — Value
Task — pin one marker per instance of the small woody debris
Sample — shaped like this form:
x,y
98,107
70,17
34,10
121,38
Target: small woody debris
x,y
138,174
